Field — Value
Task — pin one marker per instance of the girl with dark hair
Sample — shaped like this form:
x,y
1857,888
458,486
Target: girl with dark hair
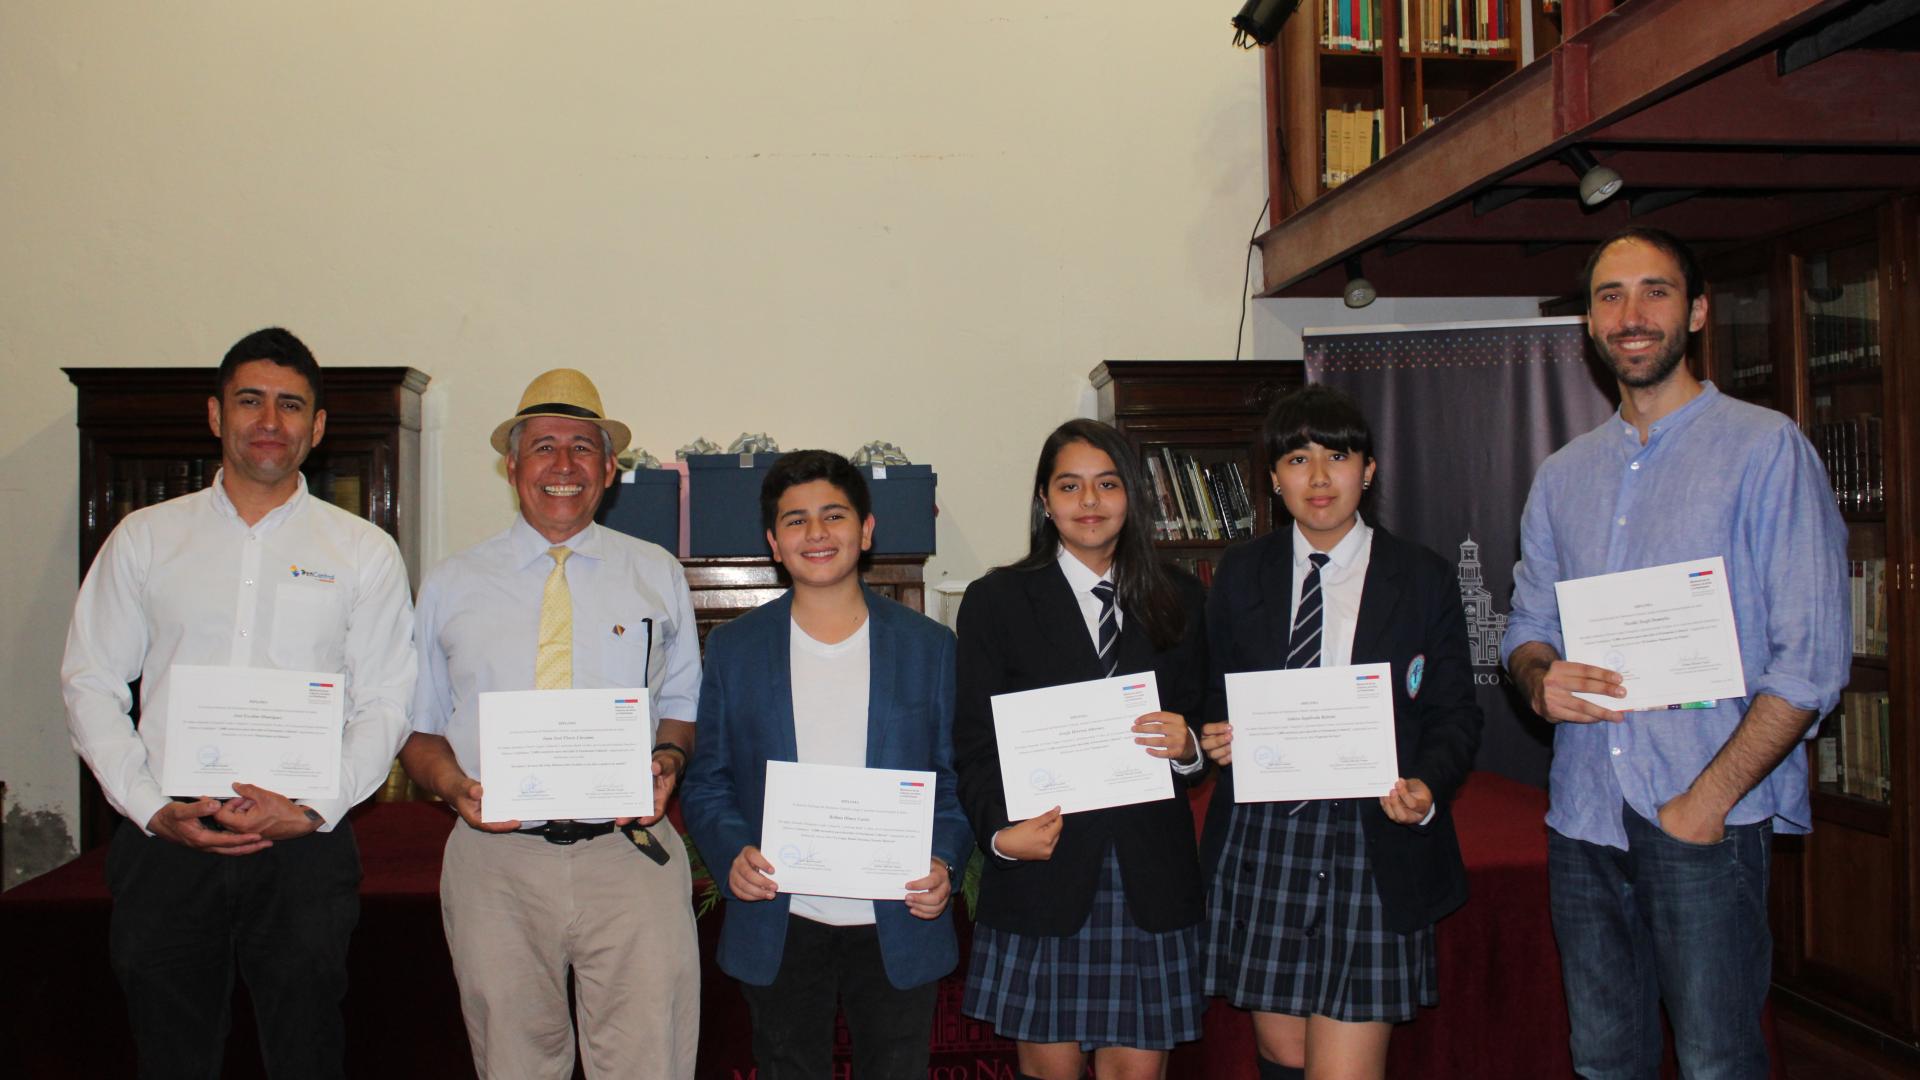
x,y
1320,914
1086,939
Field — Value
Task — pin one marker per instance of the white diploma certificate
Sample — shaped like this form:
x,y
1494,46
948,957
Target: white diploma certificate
x,y
1668,630
549,755
839,830
277,729
1312,733
1072,746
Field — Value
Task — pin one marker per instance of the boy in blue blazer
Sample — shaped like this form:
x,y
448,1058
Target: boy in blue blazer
x,y
827,674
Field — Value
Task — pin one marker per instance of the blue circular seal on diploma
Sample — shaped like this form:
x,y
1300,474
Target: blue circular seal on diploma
x,y
1416,672
1264,757
1040,779
209,755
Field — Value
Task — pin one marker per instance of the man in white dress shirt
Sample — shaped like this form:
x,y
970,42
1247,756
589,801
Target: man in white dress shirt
x,y
250,572
557,602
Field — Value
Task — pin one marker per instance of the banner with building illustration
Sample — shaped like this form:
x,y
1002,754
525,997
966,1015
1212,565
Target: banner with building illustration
x,y
1462,415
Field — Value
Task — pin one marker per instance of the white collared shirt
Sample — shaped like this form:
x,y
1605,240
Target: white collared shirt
x,y
1341,582
478,627
309,587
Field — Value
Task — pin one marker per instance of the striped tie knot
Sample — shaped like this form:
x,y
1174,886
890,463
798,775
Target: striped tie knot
x,y
1303,645
1109,628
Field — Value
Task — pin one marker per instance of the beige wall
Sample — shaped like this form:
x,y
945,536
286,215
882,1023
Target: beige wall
x,y
833,221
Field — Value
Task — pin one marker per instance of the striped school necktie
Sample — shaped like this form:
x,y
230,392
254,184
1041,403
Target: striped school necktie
x,y
1109,628
1303,646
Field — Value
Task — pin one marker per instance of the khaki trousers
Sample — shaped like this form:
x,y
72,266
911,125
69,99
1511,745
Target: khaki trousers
x,y
519,912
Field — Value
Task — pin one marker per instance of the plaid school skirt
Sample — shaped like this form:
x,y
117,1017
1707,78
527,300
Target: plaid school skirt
x,y
1109,983
1295,925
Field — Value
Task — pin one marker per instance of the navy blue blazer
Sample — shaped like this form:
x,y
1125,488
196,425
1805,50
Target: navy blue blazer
x,y
1410,618
746,720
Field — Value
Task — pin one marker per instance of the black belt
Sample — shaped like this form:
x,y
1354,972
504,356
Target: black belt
x,y
569,832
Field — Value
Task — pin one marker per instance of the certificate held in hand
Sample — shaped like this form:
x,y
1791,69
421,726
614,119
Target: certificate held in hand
x,y
1668,630
548,755
277,729
1073,746
1312,733
841,830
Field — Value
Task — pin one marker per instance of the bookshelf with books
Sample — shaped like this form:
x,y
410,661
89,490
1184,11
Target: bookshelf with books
x,y
1196,425
144,439
1819,324
1360,77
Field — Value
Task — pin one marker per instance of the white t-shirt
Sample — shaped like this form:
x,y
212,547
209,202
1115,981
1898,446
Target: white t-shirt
x,y
830,685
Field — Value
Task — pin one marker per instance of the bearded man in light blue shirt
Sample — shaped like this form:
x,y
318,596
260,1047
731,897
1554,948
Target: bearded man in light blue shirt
x,y
1660,822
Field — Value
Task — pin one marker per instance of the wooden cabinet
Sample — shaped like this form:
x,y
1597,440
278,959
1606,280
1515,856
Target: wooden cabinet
x,y
1823,325
144,439
1198,423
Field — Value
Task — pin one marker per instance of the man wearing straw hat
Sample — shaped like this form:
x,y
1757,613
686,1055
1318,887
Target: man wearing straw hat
x,y
557,602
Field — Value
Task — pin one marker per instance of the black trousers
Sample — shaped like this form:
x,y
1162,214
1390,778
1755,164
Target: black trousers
x,y
827,965
184,921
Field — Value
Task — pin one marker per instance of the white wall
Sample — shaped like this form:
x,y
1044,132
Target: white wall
x,y
833,221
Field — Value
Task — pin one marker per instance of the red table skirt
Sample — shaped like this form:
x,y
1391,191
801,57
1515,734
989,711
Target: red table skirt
x,y
1501,1010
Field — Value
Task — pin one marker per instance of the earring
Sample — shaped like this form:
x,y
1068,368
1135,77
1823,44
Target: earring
x,y
1365,484
1276,489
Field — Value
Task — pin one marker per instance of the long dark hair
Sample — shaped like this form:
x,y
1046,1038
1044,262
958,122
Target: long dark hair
x,y
1142,586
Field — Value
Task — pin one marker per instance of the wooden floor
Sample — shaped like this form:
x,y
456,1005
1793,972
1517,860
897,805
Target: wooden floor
x,y
1813,1050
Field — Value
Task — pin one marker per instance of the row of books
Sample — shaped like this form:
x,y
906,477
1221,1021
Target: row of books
x,y
1869,581
1198,500
1471,27
1856,467
1463,26
1351,140
1842,341
1853,749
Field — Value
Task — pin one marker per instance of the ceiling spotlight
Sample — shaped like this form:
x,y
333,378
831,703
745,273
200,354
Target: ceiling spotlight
x,y
1597,182
1259,21
1359,291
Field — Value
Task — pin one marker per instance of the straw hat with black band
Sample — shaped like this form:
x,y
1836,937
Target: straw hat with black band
x,y
567,393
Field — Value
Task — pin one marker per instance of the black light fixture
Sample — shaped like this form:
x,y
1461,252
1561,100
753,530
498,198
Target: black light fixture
x,y
1597,182
1359,291
1259,21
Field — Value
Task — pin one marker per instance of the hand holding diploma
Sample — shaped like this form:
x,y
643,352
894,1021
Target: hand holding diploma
x,y
927,897
1165,735
1031,840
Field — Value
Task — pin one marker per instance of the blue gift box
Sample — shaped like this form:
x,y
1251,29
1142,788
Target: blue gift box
x,y
723,506
645,503
902,508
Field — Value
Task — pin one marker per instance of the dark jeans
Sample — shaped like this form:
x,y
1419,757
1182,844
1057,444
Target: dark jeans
x,y
1664,921
793,1018
184,920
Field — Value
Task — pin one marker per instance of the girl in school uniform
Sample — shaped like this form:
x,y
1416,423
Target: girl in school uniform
x,y
1320,914
1086,939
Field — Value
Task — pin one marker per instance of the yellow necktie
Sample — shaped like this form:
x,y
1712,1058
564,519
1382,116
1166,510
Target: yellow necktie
x,y
553,663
